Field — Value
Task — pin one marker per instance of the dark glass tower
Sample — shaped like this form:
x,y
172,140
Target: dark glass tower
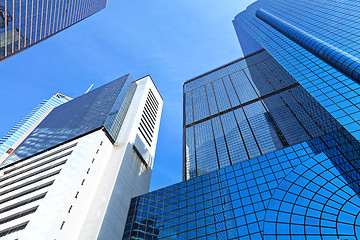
x,y
100,108
271,141
18,133
24,23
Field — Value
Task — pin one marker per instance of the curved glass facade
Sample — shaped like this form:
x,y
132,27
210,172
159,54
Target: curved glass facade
x,y
271,145
306,191
334,22
339,59
300,181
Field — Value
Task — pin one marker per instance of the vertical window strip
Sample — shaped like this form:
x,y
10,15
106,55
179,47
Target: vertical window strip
x,y
213,133
195,156
6,29
280,134
236,121
286,104
75,11
20,21
13,27
41,20
64,14
70,7
85,8
31,21
247,120
68,13
222,126
37,30
53,22
51,16
46,18
58,15
82,9
61,17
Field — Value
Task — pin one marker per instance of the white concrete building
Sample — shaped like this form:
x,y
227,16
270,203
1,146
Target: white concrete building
x,y
81,189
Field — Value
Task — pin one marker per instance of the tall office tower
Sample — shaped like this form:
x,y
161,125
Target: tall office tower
x,y
18,133
271,145
287,167
24,23
243,110
317,42
75,174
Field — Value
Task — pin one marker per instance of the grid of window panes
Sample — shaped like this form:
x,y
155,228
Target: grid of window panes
x,y
335,23
25,22
244,110
306,191
248,42
24,125
117,114
77,117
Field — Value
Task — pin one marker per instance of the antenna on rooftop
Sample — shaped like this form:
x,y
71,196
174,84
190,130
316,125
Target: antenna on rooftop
x,y
89,88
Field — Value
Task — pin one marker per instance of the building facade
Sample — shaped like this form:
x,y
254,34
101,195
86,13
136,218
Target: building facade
x,y
271,142
271,163
24,23
317,43
17,134
74,175
246,109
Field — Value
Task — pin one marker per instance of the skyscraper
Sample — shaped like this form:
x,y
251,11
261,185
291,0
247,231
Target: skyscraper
x,y
18,133
317,43
246,109
268,136
24,23
271,148
74,175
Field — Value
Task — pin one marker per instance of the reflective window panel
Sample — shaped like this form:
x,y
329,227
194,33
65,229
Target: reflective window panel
x,y
315,41
306,191
101,107
26,22
246,109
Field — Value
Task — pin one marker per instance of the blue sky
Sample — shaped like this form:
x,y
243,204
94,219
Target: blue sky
x,y
172,41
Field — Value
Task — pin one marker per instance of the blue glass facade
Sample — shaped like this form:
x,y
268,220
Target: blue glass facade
x,y
16,132
244,110
301,181
306,191
319,47
26,22
271,144
103,107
